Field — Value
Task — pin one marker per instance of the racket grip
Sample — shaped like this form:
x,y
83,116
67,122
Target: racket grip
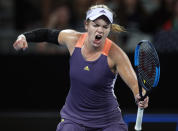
x,y
138,125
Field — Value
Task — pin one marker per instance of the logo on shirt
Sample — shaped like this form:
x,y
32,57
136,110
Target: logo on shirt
x,y
86,68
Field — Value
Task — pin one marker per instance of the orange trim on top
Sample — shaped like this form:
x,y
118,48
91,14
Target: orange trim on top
x,y
81,40
107,44
107,47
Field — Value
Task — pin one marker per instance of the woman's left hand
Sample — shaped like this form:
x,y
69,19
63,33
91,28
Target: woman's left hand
x,y
141,104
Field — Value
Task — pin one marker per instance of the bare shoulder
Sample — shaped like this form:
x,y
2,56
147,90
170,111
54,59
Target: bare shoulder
x,y
116,52
68,36
117,55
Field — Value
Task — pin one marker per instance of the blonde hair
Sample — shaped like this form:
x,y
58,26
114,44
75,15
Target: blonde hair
x,y
114,27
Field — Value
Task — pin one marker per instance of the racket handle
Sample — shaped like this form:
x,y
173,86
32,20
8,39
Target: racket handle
x,y
138,125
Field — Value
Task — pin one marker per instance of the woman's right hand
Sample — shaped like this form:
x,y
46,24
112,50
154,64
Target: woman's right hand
x,y
20,43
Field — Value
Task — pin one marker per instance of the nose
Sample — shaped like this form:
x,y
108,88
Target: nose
x,y
100,29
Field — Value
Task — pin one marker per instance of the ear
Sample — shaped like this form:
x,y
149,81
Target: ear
x,y
86,25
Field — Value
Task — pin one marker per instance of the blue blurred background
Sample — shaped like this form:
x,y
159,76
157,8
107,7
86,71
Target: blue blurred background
x,y
34,83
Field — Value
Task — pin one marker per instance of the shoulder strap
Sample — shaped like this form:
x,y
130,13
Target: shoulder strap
x,y
81,40
107,47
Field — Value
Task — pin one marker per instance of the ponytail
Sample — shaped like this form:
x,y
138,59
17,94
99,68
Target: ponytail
x,y
117,28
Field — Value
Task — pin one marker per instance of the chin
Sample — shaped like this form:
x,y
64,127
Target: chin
x,y
97,45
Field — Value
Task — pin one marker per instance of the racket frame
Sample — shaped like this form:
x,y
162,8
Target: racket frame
x,y
138,125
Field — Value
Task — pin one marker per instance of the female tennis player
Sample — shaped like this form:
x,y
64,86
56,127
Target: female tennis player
x,y
94,65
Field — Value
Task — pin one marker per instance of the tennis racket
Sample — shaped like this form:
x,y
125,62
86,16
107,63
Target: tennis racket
x,y
147,68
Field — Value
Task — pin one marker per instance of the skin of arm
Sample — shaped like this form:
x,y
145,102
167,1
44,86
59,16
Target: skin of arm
x,y
120,63
69,38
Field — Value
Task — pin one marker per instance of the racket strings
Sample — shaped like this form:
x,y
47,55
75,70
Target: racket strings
x,y
150,53
148,69
147,66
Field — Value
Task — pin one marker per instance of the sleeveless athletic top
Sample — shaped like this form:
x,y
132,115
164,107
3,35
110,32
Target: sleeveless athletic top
x,y
91,101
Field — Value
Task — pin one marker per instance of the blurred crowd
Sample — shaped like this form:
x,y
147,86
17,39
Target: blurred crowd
x,y
154,20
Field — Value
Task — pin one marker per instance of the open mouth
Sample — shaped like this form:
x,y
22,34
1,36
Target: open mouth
x,y
98,37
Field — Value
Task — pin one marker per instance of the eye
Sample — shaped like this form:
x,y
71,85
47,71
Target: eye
x,y
96,25
106,27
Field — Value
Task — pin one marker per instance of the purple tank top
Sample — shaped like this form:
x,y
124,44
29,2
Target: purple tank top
x,y
91,100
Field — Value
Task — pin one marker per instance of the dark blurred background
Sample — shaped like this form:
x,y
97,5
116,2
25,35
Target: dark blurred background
x,y
34,83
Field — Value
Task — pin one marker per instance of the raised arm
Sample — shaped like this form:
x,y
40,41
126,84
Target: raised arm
x,y
37,35
64,37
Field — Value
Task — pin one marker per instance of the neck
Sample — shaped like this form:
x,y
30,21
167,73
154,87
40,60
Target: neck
x,y
91,48
91,52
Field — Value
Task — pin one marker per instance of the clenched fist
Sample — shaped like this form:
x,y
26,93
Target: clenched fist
x,y
20,43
